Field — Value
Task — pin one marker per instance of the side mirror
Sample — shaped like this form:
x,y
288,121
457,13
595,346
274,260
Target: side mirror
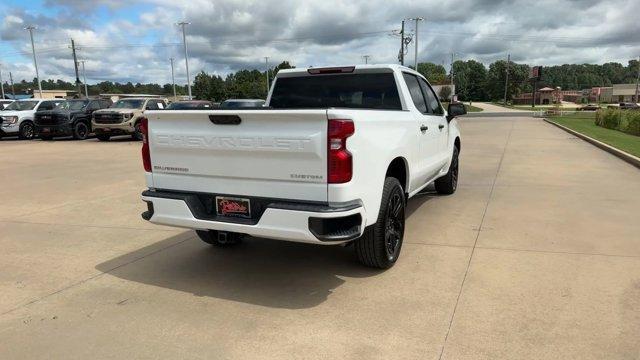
x,y
455,109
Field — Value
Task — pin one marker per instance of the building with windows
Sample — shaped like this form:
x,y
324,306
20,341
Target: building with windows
x,y
624,93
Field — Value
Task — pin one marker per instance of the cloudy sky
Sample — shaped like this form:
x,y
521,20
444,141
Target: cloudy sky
x,y
133,40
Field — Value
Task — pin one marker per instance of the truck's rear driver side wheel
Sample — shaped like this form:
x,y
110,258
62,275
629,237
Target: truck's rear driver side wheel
x,y
448,184
216,238
380,244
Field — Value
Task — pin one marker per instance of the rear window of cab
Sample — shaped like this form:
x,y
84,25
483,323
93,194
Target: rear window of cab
x,y
356,91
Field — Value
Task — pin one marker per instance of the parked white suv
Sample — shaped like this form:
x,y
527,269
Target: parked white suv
x,y
332,159
17,117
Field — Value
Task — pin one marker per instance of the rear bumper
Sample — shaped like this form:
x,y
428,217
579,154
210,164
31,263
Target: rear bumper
x,y
292,221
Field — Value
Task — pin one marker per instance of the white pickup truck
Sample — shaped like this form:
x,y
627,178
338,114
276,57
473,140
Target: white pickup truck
x,y
331,159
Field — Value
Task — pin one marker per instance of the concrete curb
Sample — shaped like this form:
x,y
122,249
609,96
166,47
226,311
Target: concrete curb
x,y
499,114
633,160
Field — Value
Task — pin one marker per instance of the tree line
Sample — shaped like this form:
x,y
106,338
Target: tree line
x,y
474,81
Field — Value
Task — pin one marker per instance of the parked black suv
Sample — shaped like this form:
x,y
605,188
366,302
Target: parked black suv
x,y
69,118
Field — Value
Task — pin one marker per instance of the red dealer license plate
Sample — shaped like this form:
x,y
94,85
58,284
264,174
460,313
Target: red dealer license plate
x,y
234,207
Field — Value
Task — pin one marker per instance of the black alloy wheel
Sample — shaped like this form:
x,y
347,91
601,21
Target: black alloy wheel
x,y
27,131
80,131
394,224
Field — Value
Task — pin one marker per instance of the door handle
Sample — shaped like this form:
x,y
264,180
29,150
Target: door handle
x,y
440,126
424,128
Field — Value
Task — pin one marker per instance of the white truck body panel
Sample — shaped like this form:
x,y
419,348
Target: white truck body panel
x,y
277,154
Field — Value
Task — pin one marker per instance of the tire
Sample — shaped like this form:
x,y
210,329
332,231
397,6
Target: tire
x,y
448,184
137,134
27,131
80,130
380,245
103,137
211,238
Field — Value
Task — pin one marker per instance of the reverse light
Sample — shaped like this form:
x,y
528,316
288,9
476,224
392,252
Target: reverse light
x,y
340,162
146,155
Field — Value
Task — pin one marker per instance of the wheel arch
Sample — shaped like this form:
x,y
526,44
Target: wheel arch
x,y
399,169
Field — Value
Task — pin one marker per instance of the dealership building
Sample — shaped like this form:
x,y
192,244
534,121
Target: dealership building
x,y
624,93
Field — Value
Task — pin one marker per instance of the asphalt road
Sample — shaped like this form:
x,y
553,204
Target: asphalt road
x,y
536,256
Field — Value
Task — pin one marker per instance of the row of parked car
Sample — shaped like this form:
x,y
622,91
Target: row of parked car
x,y
79,118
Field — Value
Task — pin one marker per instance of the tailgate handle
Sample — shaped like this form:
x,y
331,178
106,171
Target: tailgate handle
x,y
225,119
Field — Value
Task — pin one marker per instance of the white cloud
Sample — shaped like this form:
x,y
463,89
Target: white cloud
x,y
227,35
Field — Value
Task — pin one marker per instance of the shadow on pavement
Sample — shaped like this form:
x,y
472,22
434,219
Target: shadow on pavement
x,y
262,272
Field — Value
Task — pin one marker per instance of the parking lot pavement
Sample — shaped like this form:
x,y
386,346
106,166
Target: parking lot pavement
x,y
536,256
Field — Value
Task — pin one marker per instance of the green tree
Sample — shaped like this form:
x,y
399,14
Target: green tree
x,y
470,78
518,80
436,74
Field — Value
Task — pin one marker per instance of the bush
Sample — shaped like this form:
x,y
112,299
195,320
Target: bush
x,y
611,119
627,121
632,125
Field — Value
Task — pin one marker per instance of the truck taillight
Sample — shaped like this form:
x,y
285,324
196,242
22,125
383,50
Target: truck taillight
x,y
146,156
340,164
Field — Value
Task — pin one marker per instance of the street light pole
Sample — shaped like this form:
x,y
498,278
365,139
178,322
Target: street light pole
x,y
84,79
173,80
366,58
13,90
186,55
638,80
506,80
415,55
266,62
35,61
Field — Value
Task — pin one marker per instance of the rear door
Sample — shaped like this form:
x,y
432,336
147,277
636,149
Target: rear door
x,y
437,112
259,153
426,129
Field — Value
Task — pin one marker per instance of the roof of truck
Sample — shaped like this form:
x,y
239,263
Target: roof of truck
x,y
343,69
356,67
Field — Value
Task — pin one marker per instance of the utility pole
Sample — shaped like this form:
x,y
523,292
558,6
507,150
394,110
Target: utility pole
x,y
638,80
452,55
266,62
75,65
506,80
366,58
13,90
1,83
415,55
84,79
401,55
186,55
173,80
35,62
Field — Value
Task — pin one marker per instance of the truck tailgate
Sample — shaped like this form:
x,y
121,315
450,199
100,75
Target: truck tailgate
x,y
269,153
